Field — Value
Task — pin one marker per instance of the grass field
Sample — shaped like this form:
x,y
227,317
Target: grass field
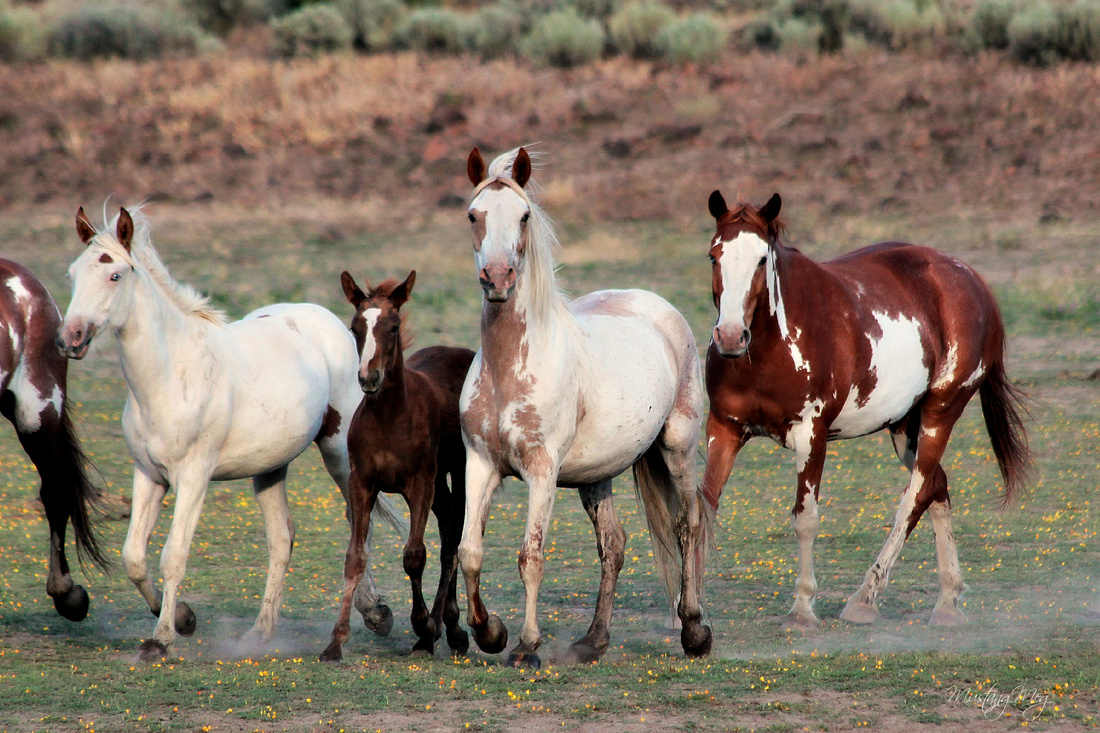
x,y
1033,571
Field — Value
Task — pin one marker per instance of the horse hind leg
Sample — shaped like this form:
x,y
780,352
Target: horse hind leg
x,y
611,546
270,490
927,487
448,506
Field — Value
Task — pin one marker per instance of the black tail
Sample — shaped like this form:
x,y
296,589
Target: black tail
x,y
82,498
1003,406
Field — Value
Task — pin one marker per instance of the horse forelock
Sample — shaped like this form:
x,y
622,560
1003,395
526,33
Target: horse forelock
x,y
746,214
142,253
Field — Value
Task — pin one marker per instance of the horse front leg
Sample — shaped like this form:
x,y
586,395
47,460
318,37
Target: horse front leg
x,y
541,490
270,491
176,615
145,506
482,479
810,460
724,441
611,546
360,504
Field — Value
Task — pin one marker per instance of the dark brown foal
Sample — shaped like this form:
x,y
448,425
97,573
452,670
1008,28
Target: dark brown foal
x,y
405,438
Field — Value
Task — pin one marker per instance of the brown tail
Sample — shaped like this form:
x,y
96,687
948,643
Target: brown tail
x,y
1003,406
82,496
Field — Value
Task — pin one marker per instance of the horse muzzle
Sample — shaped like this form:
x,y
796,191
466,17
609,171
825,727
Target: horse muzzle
x,y
74,342
371,381
498,282
731,343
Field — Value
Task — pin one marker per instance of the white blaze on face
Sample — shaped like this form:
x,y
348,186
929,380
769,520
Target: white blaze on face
x,y
370,344
740,259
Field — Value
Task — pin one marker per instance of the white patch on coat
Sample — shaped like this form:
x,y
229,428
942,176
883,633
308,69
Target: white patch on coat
x,y
974,378
16,286
740,258
31,403
800,436
16,342
370,344
947,369
897,360
801,364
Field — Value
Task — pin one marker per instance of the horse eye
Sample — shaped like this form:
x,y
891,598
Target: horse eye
x,y
395,328
116,277
471,218
523,219
762,261
713,261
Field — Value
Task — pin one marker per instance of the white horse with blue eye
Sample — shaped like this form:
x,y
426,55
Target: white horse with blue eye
x,y
211,400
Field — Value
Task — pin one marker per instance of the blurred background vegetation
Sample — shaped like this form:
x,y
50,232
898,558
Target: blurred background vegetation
x,y
562,33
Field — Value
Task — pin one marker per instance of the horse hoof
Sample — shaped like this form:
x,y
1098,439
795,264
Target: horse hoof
x,y
186,623
524,660
72,605
379,619
152,651
581,652
492,636
859,613
696,640
947,617
332,653
459,642
423,648
793,621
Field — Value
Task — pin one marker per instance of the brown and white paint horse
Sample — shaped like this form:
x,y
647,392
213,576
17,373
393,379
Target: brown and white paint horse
x,y
405,438
572,394
34,398
892,336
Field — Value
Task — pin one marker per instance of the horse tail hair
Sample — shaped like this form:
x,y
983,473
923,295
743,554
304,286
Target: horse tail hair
x,y
83,499
383,508
661,502
1004,407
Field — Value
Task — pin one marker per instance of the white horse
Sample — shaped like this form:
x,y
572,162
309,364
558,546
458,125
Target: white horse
x,y
211,400
572,394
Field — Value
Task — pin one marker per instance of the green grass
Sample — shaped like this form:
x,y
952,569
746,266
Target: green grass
x,y
1033,571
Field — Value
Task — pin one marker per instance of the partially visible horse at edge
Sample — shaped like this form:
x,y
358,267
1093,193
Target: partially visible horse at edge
x,y
34,397
210,400
405,438
572,394
892,336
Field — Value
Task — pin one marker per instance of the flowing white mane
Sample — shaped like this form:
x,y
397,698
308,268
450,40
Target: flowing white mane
x,y
185,297
542,240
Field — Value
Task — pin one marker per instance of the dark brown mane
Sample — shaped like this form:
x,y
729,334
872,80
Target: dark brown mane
x,y
744,212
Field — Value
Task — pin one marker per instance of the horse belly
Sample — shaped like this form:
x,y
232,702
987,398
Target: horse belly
x,y
896,378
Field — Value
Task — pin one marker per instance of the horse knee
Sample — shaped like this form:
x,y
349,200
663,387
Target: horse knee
x,y
134,565
414,559
470,557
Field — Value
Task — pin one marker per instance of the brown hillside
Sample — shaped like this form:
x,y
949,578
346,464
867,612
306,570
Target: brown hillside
x,y
623,139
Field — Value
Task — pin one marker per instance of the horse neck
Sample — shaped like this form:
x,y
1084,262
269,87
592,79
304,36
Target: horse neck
x,y
778,309
392,401
510,331
153,337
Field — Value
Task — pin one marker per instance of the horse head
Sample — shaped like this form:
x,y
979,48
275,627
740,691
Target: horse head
x,y
377,326
744,242
102,281
499,214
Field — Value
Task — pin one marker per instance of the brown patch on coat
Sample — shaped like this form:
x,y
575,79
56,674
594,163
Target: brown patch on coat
x,y
330,424
106,258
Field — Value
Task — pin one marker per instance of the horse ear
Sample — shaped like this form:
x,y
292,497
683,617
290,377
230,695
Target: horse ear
x,y
770,210
84,228
475,167
521,168
401,293
124,231
717,205
352,292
